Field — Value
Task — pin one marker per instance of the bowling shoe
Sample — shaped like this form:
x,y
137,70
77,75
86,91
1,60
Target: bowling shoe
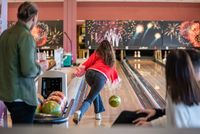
x,y
98,116
76,118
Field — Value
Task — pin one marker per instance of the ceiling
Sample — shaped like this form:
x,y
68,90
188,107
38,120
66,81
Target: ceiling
x,y
181,1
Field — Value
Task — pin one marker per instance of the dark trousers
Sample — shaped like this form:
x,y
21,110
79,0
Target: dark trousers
x,y
21,113
127,117
96,81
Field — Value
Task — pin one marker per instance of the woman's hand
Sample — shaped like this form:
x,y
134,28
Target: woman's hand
x,y
79,71
149,112
74,74
143,124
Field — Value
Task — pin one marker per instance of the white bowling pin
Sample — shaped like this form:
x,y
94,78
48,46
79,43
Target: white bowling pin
x,y
51,53
139,54
47,53
135,54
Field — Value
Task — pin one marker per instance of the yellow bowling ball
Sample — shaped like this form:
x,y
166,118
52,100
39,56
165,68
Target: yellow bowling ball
x,y
114,101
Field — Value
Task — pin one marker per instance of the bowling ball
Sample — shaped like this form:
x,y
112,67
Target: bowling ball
x,y
52,107
38,109
114,101
56,99
60,94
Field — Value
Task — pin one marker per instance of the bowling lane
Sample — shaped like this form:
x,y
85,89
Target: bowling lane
x,y
152,72
129,101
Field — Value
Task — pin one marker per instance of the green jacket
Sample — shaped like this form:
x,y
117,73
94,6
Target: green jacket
x,y
18,66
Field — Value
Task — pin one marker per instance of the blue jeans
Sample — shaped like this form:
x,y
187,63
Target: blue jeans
x,y
96,81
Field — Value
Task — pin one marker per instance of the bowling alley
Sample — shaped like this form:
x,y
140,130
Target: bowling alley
x,y
100,64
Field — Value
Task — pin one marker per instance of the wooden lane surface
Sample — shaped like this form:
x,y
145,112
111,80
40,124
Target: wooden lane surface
x,y
129,102
152,72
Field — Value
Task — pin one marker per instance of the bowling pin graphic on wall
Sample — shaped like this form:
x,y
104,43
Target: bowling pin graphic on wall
x,y
3,15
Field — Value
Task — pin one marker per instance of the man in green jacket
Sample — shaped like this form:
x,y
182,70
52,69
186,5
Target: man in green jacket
x,y
18,66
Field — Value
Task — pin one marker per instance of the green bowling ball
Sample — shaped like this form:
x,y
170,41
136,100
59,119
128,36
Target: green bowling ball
x,y
114,101
52,107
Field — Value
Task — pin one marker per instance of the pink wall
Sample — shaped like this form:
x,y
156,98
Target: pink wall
x,y
117,10
47,11
139,11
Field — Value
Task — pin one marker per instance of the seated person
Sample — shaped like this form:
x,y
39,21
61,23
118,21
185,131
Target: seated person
x,y
138,117
182,95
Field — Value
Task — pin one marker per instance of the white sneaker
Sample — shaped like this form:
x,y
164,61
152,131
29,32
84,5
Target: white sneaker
x,y
98,116
76,118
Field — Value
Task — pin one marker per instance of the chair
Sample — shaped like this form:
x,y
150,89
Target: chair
x,y
3,114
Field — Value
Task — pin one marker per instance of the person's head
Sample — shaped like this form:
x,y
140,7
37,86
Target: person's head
x,y
182,76
28,13
106,51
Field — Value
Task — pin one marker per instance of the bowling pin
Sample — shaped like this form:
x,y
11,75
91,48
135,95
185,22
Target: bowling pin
x,y
44,56
51,53
165,56
135,54
47,53
139,54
